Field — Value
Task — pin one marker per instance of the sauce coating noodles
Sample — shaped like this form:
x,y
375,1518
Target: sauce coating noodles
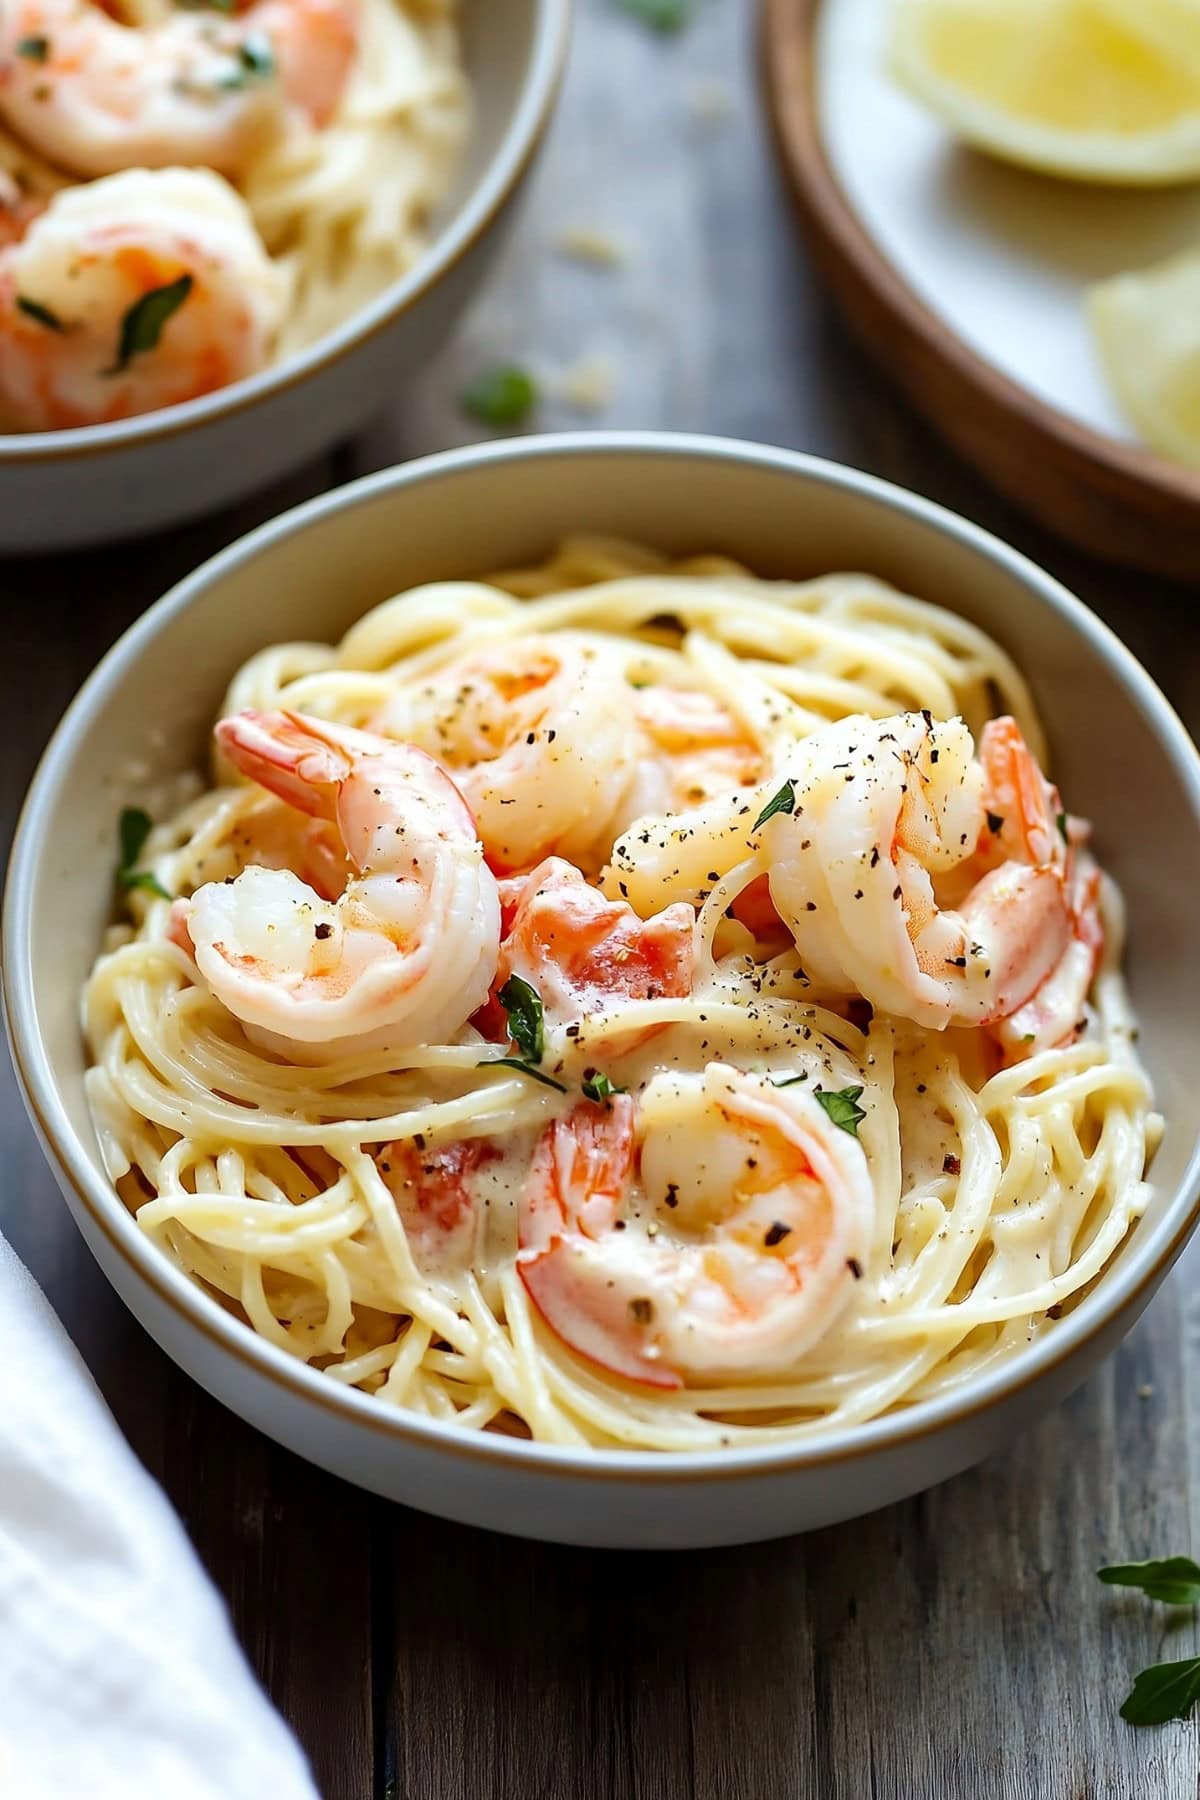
x,y
364,1212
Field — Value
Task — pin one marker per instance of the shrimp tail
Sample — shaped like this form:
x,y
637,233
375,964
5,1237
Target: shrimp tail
x,y
290,756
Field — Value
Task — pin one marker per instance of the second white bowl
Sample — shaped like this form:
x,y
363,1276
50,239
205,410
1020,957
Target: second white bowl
x,y
62,488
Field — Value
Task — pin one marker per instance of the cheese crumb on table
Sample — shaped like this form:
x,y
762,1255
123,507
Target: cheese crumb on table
x,y
588,243
711,102
589,384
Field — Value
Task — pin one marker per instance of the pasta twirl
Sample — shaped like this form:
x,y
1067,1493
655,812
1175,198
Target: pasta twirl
x,y
1001,1180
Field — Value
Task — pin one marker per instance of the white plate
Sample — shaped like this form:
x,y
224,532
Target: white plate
x,y
1003,255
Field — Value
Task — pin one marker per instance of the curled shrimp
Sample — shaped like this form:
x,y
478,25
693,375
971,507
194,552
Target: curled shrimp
x,y
692,748
405,954
539,735
937,886
582,952
95,95
1056,1012
274,835
139,291
711,1231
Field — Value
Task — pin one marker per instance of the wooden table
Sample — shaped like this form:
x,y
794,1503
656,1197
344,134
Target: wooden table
x,y
956,1645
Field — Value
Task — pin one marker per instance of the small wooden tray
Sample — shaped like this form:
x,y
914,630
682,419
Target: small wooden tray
x,y
1111,498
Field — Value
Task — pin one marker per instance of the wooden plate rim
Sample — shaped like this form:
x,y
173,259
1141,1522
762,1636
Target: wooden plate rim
x,y
789,33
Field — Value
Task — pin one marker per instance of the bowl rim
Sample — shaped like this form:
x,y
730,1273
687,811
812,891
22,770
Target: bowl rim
x,y
494,187
1139,1267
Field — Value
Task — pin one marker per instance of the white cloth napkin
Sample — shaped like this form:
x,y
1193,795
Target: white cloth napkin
x,y
119,1675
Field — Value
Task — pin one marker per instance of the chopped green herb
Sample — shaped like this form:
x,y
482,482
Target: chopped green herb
x,y
597,1086
515,1062
783,802
526,1023
782,1081
527,1029
33,309
501,396
255,62
144,878
842,1107
33,49
142,325
666,16
1164,1691
222,6
1060,819
133,829
1173,1579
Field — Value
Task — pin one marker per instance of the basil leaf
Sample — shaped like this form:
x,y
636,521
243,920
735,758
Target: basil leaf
x,y
514,1062
842,1107
597,1086
1166,1691
34,49
142,325
526,1023
33,309
660,15
782,1081
255,62
783,802
1172,1579
133,829
501,396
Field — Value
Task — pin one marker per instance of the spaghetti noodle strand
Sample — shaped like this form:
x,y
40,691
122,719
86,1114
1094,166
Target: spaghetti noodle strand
x,y
369,1210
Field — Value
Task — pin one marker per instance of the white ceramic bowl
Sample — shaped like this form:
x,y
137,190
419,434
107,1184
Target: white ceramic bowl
x,y
62,488
1123,757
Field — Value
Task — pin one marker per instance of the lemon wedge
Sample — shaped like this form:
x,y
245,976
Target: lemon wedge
x,y
1095,90
1147,328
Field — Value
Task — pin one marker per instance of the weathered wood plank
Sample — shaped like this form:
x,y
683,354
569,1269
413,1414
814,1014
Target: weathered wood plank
x,y
288,1547
956,1644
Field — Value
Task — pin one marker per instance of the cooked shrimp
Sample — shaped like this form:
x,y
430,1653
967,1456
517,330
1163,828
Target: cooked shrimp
x,y
1056,1012
934,885
432,1188
275,836
95,95
693,748
132,293
18,209
406,953
713,1231
539,734
583,953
